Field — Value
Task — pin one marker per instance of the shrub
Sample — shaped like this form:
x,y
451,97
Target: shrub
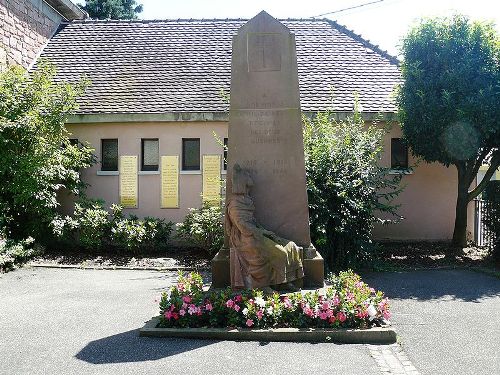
x,y
14,253
92,227
203,227
348,302
346,187
36,158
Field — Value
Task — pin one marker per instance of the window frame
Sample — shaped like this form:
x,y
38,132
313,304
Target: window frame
x,y
184,166
150,167
103,141
404,146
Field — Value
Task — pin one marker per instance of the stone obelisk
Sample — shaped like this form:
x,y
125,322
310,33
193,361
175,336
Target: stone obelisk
x,y
265,138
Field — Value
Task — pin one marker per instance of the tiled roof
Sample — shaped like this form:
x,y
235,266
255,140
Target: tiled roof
x,y
182,65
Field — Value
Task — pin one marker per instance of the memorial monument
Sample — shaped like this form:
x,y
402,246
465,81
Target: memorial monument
x,y
266,143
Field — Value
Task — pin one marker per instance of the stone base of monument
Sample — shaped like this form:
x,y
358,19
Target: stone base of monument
x,y
314,269
376,335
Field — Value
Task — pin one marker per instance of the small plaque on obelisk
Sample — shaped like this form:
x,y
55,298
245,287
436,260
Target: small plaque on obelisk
x,y
265,136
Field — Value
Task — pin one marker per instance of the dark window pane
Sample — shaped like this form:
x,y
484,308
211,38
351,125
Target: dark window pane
x,y
150,154
399,154
109,154
73,142
225,154
191,154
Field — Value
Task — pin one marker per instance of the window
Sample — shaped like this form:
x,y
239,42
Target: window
x,y
399,154
149,154
109,154
191,154
225,154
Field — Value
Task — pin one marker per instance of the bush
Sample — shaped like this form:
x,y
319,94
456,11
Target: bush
x,y
204,228
93,228
346,187
15,253
347,303
491,218
36,158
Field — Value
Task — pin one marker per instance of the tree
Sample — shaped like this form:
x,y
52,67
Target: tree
x,y
112,9
448,102
346,187
37,160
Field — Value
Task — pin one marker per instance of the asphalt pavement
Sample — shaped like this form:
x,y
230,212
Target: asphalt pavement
x,y
70,321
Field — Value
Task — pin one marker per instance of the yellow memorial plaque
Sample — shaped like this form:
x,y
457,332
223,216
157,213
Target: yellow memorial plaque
x,y
170,181
128,181
211,179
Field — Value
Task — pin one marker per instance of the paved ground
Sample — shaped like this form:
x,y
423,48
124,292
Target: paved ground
x,y
79,321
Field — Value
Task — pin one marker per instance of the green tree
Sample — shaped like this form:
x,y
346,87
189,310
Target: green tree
x,y
112,9
37,159
347,188
448,101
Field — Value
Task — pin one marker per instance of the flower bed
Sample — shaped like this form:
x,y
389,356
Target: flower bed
x,y
347,303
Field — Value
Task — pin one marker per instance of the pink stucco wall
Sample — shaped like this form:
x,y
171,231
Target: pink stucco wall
x,y
427,202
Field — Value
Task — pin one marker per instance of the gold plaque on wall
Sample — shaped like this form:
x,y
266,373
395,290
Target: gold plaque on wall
x,y
128,181
211,179
170,181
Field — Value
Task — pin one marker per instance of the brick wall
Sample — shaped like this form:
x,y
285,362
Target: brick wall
x,y
25,26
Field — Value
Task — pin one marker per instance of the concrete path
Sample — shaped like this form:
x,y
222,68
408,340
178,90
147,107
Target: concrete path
x,y
82,321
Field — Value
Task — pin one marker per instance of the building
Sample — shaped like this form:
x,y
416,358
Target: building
x,y
27,25
158,90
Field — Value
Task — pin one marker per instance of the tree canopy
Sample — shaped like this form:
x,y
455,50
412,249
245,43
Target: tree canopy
x,y
448,102
112,9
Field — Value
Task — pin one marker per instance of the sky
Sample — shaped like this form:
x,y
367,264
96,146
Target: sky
x,y
384,23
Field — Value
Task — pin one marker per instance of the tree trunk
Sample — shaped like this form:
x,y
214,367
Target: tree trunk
x,y
460,230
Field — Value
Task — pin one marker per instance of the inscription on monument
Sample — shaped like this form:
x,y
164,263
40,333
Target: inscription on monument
x,y
264,52
170,181
128,181
211,179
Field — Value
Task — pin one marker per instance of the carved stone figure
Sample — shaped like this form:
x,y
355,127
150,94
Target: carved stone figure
x,y
259,257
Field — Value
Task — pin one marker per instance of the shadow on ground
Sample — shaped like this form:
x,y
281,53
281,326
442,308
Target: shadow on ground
x,y
435,284
129,347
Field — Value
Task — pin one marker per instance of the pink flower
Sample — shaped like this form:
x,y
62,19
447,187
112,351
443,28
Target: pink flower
x,y
192,309
323,315
325,305
184,305
186,299
238,298
386,314
336,301
350,296
308,311
259,314
249,322
329,313
209,307
182,312
362,314
176,316
230,303
236,308
287,303
180,286
341,316
332,319
168,314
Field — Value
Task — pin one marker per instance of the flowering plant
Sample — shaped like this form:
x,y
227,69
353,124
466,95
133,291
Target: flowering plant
x,y
347,302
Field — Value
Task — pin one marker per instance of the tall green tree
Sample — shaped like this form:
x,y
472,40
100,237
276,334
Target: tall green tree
x,y
37,159
449,102
112,9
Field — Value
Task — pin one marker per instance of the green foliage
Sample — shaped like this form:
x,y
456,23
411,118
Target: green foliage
x,y
492,217
112,9
349,302
346,187
93,228
449,99
36,157
14,253
448,103
203,227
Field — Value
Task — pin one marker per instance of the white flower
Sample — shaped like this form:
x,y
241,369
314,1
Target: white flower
x,y
270,310
372,312
260,302
245,311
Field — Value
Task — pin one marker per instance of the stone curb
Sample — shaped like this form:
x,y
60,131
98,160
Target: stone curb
x,y
111,268
315,335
